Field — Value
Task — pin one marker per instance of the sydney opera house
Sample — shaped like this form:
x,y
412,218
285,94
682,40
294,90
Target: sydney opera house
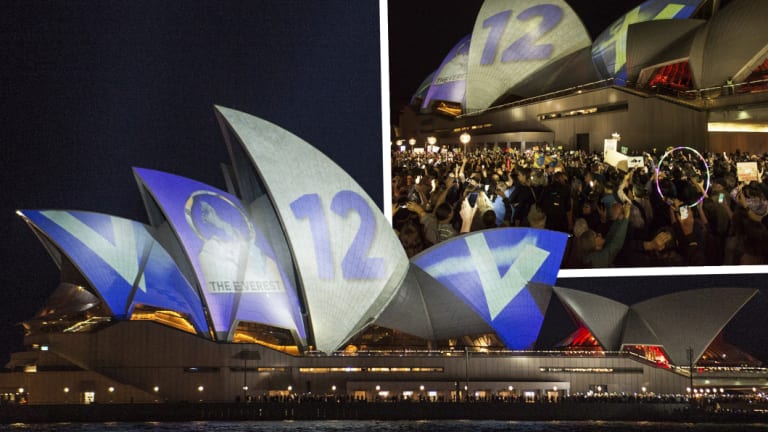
x,y
667,73
277,287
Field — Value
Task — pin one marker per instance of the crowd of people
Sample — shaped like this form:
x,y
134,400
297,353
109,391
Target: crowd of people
x,y
678,207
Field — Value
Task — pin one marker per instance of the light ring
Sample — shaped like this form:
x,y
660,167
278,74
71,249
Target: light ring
x,y
706,168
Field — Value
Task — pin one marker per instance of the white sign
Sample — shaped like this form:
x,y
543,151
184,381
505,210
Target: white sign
x,y
635,161
747,171
609,145
617,160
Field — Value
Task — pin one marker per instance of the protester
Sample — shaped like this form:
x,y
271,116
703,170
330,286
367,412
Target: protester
x,y
675,210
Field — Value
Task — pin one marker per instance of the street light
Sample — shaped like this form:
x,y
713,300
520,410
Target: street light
x,y
431,140
464,139
412,142
246,355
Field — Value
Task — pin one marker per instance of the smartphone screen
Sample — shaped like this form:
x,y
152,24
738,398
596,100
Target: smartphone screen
x,y
472,199
683,212
720,198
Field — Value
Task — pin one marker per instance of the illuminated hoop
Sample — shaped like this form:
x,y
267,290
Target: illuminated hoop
x,y
706,168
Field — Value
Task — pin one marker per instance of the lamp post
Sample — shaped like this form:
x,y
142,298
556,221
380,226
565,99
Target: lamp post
x,y
466,372
464,139
412,142
689,351
431,140
246,355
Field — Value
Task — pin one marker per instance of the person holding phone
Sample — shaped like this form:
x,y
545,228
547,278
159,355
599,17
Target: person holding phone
x,y
749,243
597,251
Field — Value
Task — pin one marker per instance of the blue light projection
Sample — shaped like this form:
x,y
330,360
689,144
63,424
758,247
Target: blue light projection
x,y
609,51
237,269
122,261
490,271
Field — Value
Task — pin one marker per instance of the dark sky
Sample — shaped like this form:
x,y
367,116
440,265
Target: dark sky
x,y
90,89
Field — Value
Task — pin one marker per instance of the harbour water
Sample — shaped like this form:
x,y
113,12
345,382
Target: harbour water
x,y
388,426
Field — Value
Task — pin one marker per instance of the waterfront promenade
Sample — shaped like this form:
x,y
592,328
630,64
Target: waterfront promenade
x,y
334,410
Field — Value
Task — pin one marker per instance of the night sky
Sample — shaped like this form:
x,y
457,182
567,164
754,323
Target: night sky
x,y
90,89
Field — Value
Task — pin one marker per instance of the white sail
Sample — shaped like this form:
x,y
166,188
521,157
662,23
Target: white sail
x,y
348,260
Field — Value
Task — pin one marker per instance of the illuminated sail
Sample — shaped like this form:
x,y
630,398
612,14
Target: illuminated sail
x,y
121,261
609,52
513,39
421,92
450,80
502,274
238,272
348,259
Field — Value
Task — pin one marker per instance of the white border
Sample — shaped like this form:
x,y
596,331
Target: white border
x,y
663,271
386,123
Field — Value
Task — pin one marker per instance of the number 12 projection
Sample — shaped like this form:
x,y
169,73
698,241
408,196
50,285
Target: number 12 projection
x,y
348,259
513,39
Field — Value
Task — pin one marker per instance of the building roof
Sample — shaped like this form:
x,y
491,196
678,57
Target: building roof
x,y
505,65
120,260
223,245
677,322
691,319
735,42
602,316
610,50
505,51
